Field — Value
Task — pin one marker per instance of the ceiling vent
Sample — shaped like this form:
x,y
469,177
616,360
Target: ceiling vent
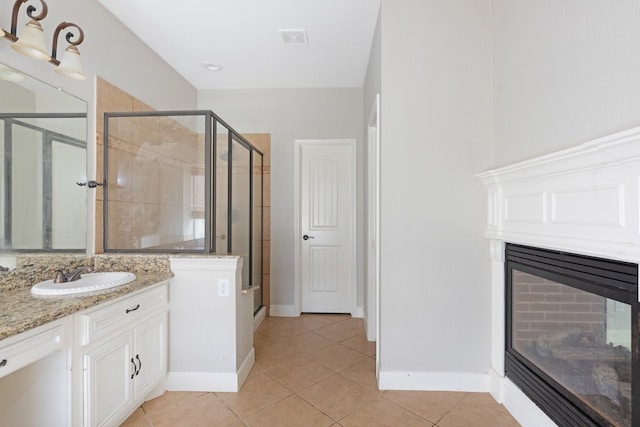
x,y
294,37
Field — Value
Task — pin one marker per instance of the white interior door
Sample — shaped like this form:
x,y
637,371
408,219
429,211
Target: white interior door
x,y
326,231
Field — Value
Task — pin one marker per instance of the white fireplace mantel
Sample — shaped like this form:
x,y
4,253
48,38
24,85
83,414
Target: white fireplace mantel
x,y
584,200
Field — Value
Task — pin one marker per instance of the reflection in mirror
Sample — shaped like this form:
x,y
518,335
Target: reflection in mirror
x,y
42,157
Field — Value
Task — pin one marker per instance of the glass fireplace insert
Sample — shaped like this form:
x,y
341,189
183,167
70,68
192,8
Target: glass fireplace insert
x,y
571,338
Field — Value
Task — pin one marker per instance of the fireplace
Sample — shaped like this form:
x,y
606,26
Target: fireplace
x,y
578,295
570,335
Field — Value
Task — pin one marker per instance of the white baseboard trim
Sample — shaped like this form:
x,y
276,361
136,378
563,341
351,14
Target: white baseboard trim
x,y
359,312
433,381
202,381
522,408
502,389
245,368
259,317
211,381
157,391
370,329
276,310
496,382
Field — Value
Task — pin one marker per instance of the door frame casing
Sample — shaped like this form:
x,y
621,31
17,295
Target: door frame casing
x,y
372,253
298,144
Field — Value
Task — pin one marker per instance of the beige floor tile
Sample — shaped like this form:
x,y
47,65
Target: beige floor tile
x,y
361,344
256,393
236,423
432,405
305,343
268,324
337,396
274,355
337,332
337,357
274,321
364,374
137,419
277,331
299,374
205,410
290,412
383,413
312,321
354,323
331,382
169,401
255,371
261,340
479,410
337,317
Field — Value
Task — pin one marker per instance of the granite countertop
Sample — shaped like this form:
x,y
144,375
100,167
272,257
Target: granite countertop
x,y
20,311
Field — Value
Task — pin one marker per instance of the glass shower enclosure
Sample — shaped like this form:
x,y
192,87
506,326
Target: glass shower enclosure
x,y
182,182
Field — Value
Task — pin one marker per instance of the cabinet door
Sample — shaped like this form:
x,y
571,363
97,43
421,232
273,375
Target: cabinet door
x,y
108,374
151,353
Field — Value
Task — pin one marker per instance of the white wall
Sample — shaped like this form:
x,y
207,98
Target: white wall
x,y
372,86
210,336
565,72
436,133
372,81
289,114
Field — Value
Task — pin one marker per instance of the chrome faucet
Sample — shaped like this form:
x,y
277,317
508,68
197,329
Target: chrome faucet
x,y
74,275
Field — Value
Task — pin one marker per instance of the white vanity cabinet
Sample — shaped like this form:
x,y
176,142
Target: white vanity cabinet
x,y
121,353
35,376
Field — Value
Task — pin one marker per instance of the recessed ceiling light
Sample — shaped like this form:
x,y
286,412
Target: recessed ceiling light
x,y
210,66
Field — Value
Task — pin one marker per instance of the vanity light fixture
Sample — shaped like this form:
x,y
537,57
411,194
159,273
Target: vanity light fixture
x,y
32,43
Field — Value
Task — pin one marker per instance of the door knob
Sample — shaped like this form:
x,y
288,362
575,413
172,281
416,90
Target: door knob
x,y
306,237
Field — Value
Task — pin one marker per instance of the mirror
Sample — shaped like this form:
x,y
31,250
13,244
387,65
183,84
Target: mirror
x,y
43,146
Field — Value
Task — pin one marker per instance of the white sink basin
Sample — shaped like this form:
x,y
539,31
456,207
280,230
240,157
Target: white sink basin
x,y
89,282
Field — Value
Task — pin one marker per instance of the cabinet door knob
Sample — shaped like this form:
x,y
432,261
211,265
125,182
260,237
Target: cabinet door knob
x,y
307,237
139,364
3,363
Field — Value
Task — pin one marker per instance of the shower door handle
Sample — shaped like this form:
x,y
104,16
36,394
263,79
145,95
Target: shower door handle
x,y
90,184
306,237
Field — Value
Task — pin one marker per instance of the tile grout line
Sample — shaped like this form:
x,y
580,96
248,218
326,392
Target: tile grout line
x,y
414,412
333,373
359,389
294,393
306,357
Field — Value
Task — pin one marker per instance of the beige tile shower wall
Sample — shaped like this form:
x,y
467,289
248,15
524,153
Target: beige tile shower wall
x,y
155,153
108,98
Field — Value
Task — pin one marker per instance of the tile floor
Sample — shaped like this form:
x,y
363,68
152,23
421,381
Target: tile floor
x,y
318,370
